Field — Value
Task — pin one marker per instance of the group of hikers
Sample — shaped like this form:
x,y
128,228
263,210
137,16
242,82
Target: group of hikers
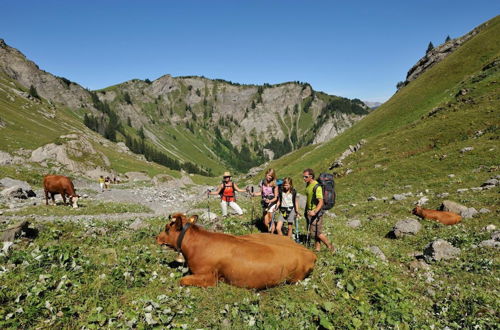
x,y
105,183
279,197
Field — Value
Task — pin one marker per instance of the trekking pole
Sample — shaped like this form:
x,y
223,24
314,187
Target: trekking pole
x,y
251,201
208,202
297,236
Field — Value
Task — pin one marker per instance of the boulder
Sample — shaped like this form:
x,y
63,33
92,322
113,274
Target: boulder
x,y
8,182
10,234
496,236
491,182
399,197
377,252
208,216
440,250
484,210
490,243
14,192
490,228
466,149
422,201
354,223
5,158
161,179
138,224
405,228
454,207
137,176
372,198
416,265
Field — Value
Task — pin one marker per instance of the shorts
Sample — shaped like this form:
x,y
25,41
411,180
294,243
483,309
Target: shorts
x,y
287,215
269,208
315,224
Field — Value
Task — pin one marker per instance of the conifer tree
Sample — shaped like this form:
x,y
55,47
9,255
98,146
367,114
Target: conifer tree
x,y
33,92
447,39
430,47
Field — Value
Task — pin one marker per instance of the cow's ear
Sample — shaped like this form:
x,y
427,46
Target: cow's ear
x,y
193,219
178,222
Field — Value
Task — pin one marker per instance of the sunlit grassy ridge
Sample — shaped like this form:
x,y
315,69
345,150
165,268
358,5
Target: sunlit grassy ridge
x,y
397,120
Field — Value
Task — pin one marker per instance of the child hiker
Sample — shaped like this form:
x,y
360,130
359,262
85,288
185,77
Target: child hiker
x,y
288,205
227,190
269,193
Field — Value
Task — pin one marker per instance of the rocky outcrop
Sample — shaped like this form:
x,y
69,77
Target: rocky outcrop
x,y
436,55
352,149
27,73
74,152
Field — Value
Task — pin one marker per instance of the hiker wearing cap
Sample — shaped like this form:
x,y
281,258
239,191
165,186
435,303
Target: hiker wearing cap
x,y
313,212
269,193
227,190
288,206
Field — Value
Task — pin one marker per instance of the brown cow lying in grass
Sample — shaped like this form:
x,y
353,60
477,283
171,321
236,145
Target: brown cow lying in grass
x,y
251,261
446,218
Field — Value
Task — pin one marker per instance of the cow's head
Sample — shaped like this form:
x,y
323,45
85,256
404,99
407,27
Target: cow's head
x,y
417,210
173,228
74,201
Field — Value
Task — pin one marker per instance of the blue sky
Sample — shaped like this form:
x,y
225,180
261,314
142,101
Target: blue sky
x,y
349,48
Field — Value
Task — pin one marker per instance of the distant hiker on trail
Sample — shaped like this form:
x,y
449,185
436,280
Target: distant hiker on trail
x,y
288,205
107,182
101,183
227,190
269,193
313,212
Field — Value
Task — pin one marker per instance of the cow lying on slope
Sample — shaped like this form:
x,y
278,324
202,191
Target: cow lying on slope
x,y
251,261
446,218
59,184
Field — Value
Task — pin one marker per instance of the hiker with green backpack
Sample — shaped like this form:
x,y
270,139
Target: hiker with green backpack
x,y
315,206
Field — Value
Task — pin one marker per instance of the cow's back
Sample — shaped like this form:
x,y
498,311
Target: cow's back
x,y
58,184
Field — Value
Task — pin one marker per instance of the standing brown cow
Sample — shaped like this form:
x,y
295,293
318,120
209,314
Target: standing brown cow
x,y
59,184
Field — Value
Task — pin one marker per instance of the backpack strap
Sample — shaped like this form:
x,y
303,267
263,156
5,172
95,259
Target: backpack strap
x,y
314,192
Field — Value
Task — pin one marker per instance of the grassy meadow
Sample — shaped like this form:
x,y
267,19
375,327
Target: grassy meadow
x,y
74,276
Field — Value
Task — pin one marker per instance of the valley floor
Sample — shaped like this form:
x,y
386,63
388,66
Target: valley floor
x,y
105,270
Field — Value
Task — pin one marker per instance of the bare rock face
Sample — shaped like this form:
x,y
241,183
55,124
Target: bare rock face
x,y
334,126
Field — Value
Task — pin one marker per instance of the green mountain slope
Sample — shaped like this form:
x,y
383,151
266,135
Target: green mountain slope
x,y
401,130
219,124
28,123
